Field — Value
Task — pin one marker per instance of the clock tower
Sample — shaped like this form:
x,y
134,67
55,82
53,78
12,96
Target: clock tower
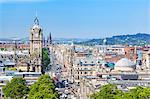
x,y
36,39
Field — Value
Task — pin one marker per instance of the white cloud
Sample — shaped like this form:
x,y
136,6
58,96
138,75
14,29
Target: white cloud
x,y
8,1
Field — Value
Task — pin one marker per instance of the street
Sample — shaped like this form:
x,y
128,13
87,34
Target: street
x,y
63,86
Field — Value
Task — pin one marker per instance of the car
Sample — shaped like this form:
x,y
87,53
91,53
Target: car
x,y
56,88
66,84
66,91
63,96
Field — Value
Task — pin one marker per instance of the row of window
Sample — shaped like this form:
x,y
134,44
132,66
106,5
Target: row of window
x,y
85,72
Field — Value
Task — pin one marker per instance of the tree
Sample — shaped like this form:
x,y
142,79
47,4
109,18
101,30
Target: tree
x,y
16,88
45,58
138,93
2,49
108,91
44,88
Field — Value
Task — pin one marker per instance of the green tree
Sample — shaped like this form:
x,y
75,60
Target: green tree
x,y
133,93
16,88
138,93
145,93
2,49
44,88
108,91
45,59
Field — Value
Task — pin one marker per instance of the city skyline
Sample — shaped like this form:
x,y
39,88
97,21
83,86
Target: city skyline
x,y
75,19
74,49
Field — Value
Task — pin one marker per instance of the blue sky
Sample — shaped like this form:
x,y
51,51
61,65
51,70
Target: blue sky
x,y
75,18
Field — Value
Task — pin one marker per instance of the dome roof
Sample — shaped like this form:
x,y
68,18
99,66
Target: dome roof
x,y
124,62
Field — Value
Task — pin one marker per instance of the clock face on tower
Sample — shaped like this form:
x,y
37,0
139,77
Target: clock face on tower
x,y
36,30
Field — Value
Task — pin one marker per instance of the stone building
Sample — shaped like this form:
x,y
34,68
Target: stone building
x,y
36,39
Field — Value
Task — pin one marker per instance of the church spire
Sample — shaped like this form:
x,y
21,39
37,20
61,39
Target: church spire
x,y
50,38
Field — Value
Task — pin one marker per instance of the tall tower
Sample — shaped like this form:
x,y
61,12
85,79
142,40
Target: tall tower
x,y
36,40
49,39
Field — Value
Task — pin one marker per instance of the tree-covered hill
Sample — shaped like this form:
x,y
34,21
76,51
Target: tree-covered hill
x,y
136,39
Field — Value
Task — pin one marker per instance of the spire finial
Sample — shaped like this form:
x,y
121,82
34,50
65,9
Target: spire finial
x,y
36,21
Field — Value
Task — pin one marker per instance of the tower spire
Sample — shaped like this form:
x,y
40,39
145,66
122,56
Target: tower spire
x,y
50,38
36,21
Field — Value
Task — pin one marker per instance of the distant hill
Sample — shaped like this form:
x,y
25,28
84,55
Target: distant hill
x,y
136,39
69,40
55,40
